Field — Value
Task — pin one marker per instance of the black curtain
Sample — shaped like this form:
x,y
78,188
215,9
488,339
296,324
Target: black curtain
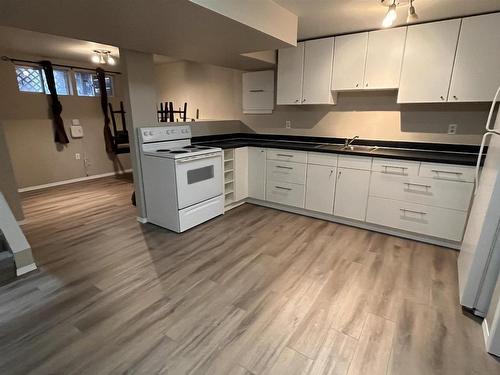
x,y
108,136
59,131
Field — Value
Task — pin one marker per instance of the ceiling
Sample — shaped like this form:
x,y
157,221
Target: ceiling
x,y
330,17
178,28
18,42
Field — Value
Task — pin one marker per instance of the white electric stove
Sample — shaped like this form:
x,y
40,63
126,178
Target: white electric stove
x,y
183,183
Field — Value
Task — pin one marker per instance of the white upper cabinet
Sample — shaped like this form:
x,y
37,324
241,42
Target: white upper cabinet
x,y
290,73
318,61
428,62
304,73
384,58
258,92
349,62
476,74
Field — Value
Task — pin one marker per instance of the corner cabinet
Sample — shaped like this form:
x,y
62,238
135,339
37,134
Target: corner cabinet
x,y
428,62
304,73
235,176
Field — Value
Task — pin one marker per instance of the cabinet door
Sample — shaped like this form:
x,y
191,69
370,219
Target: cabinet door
x,y
428,62
383,58
349,61
476,74
240,173
320,188
351,193
318,61
258,92
290,74
257,173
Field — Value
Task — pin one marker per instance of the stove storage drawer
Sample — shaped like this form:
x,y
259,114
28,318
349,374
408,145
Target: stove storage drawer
x,y
286,172
427,220
448,172
428,191
285,193
287,155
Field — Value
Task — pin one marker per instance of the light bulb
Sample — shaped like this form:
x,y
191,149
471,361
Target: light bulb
x,y
111,60
101,59
95,58
390,17
412,14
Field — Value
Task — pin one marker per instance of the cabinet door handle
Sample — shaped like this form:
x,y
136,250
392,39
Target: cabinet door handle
x,y
255,90
405,210
366,85
403,169
455,97
296,100
357,84
442,97
283,188
283,167
303,100
409,184
285,155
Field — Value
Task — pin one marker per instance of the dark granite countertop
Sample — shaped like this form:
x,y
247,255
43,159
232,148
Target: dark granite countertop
x,y
417,151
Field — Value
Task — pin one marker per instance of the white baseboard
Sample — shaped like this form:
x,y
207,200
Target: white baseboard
x,y
73,180
486,332
26,269
142,220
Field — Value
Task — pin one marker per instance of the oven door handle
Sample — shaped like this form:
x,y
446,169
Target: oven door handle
x,y
199,157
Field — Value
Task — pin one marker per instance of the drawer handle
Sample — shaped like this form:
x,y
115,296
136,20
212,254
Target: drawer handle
x,y
285,155
282,167
405,210
260,90
438,171
413,184
283,188
403,169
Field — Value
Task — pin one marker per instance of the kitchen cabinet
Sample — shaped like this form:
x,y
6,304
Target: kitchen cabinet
x,y
241,173
257,173
428,62
258,92
320,188
290,74
384,57
304,73
476,73
351,193
318,61
349,61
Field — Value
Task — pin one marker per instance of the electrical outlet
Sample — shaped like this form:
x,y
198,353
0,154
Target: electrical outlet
x,y
288,124
77,156
452,129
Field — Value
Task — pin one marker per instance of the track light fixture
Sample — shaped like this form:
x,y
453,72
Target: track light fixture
x,y
391,14
102,57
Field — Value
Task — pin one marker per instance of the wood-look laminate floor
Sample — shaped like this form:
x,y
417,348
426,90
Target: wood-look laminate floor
x,y
256,291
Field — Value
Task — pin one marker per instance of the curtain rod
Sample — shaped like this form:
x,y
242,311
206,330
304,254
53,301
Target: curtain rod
x,y
6,58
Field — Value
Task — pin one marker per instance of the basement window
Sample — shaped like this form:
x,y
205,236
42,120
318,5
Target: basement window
x,y
32,79
88,85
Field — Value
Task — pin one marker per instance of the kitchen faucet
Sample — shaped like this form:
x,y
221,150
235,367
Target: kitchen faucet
x,y
348,141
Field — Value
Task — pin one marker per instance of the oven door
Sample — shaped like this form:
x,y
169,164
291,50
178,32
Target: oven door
x,y
198,178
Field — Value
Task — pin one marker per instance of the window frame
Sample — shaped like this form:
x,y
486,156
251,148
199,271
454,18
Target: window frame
x,y
45,91
93,74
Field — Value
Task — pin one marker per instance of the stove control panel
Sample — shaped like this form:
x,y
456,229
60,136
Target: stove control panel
x,y
164,133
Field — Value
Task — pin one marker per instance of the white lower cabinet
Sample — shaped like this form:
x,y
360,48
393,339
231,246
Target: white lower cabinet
x,y
431,221
257,173
351,193
320,188
285,193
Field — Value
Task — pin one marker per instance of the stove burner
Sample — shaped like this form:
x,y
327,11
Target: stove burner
x,y
179,152
163,150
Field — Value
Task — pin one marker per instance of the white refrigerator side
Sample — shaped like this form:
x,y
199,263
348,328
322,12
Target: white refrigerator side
x,y
479,261
491,324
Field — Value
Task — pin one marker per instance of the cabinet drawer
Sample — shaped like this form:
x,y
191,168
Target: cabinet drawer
x,y
287,155
447,172
285,193
428,191
294,173
355,162
431,221
396,167
319,158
